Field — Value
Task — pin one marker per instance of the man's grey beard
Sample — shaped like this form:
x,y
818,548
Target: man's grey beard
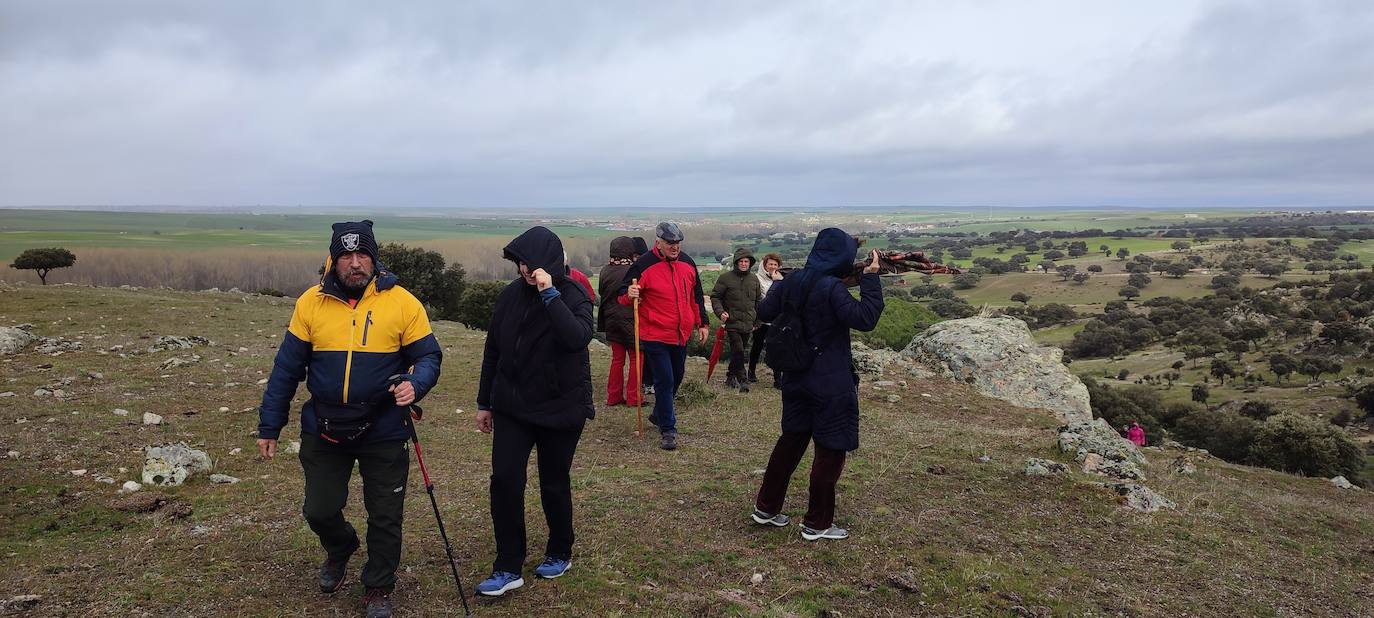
x,y
355,288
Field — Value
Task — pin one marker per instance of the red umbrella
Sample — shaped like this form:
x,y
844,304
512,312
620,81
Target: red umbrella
x,y
715,353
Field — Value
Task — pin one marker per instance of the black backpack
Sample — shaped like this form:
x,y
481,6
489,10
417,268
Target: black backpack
x,y
787,348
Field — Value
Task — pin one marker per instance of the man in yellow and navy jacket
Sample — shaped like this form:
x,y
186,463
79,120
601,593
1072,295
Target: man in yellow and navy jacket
x,y
347,337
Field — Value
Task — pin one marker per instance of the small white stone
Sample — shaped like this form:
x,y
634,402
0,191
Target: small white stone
x,y
130,486
151,419
1341,482
121,412
235,451
223,409
925,394
756,579
81,472
7,394
12,454
262,381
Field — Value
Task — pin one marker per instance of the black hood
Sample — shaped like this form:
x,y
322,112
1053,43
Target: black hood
x,y
538,248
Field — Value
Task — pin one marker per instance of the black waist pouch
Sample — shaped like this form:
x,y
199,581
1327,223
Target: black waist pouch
x,y
345,423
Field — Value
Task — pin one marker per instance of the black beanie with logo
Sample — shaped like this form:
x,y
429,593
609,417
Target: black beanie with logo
x,y
352,236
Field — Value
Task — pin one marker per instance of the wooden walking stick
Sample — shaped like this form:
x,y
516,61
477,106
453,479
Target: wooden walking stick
x,y
639,370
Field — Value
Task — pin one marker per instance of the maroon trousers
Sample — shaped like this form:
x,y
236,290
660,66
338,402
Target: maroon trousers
x,y
825,472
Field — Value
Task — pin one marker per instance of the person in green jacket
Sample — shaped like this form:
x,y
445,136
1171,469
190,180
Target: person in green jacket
x,y
735,299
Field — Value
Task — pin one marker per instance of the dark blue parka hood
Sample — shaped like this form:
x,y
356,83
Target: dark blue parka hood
x,y
832,254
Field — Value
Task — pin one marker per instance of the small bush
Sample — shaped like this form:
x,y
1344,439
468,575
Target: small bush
x,y
1294,443
1223,433
695,393
901,320
1258,410
478,302
271,292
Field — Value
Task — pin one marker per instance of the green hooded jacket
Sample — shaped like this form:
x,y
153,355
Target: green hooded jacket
x,y
738,293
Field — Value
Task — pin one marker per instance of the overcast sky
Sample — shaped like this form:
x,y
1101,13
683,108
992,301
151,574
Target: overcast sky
x,y
546,104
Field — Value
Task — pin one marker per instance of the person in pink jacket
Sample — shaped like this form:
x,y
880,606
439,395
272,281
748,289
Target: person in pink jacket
x,y
1136,434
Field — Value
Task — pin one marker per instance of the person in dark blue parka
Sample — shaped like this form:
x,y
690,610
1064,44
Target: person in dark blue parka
x,y
820,404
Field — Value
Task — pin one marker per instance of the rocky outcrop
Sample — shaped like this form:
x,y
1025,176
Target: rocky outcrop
x,y
1101,450
999,358
12,339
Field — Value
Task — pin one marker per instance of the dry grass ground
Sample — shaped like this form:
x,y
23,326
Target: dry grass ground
x,y
936,532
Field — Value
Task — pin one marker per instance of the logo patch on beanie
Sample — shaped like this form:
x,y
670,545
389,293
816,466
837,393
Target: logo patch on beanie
x,y
350,242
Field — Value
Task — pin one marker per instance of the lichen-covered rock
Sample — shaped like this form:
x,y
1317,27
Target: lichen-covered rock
x,y
172,464
1120,458
1342,482
999,358
175,342
1044,467
51,345
1140,497
873,361
1184,465
13,340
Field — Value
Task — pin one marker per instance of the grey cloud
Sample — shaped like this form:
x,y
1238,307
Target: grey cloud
x,y
716,103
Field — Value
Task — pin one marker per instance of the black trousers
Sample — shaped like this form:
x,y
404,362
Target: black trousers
x,y
825,473
385,468
756,347
739,348
512,441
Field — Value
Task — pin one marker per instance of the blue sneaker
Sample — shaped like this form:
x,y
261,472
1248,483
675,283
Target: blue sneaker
x,y
500,583
552,567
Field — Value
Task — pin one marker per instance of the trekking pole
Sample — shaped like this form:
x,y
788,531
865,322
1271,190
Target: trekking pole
x,y
429,488
639,370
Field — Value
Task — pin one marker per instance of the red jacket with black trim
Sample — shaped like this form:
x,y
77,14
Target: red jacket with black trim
x,y
671,302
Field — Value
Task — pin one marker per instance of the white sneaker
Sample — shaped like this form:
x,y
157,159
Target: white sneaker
x,y
833,532
765,519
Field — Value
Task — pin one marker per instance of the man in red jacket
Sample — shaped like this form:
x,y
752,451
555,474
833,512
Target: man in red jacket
x,y
671,306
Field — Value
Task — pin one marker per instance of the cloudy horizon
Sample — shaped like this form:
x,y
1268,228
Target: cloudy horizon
x,y
727,104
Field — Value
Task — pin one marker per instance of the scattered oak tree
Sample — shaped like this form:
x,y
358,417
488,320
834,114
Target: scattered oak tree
x,y
43,261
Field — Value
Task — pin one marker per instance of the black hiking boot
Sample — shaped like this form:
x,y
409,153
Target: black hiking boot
x,y
334,573
743,386
753,377
378,603
730,381
668,442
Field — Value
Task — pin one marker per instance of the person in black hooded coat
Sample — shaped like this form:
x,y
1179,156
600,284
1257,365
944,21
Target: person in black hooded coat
x,y
820,404
535,392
